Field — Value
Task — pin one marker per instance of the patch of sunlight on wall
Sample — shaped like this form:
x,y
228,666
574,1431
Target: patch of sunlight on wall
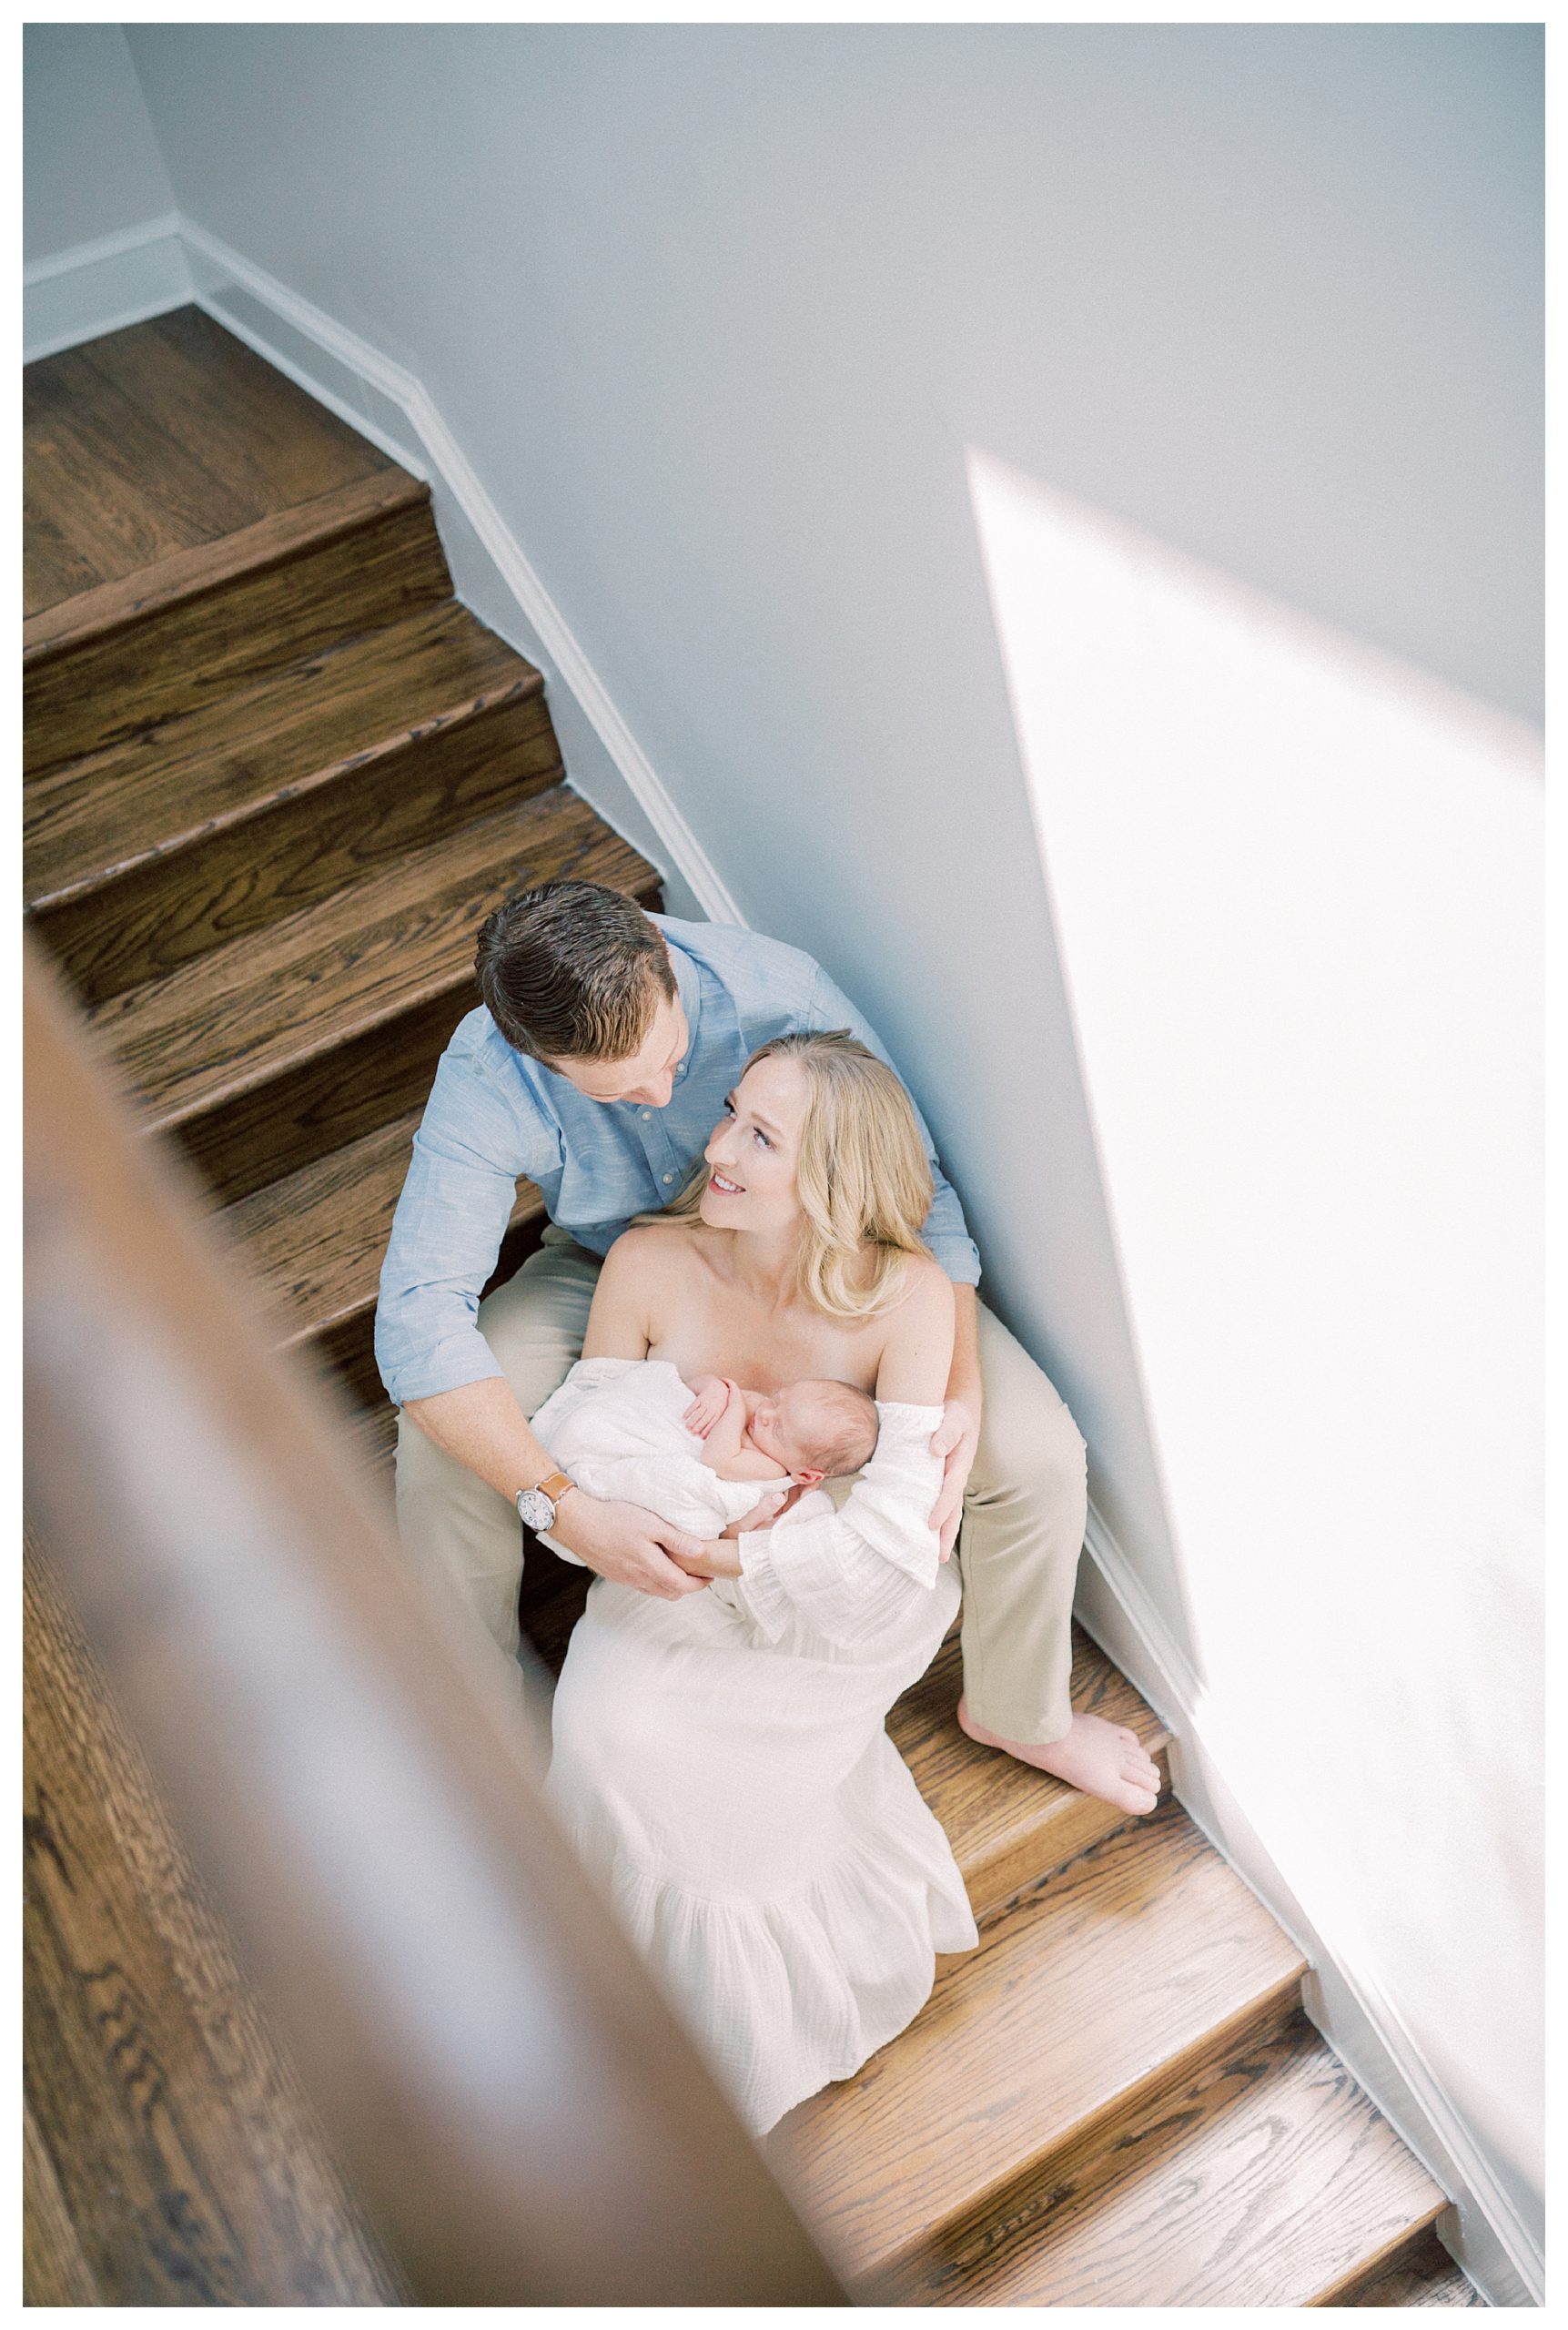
x,y
1298,898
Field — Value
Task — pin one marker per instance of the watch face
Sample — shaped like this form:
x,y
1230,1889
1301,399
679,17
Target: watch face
x,y
535,1508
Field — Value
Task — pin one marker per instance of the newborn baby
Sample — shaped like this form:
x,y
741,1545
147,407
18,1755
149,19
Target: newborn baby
x,y
815,1429
699,1455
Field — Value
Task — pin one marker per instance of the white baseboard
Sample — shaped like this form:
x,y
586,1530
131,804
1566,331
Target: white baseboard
x,y
99,287
103,286
1484,2229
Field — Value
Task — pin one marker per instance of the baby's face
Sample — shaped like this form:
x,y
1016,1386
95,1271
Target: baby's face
x,y
789,1427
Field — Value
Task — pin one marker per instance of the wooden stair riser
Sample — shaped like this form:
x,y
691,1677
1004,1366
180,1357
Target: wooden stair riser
x,y
1197,2196
1094,2135
1420,2272
333,1096
303,845
1081,2003
79,699
1079,1822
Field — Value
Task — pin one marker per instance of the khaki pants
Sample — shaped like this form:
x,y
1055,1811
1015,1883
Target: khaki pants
x,y
1018,1549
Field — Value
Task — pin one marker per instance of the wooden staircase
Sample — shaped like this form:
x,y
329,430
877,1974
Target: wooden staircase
x,y
275,777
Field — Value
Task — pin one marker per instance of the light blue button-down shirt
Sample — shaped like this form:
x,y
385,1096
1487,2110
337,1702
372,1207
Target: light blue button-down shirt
x,y
495,1115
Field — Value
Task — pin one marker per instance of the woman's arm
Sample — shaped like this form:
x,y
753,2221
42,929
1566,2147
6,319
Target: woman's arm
x,y
917,1355
620,1322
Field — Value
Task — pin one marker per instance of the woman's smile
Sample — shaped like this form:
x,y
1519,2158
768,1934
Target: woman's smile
x,y
722,1188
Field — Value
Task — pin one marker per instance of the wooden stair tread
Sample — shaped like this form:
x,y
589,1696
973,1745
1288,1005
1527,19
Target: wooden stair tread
x,y
199,434
1268,2180
284,534
316,1239
242,1014
1087,1991
1007,1823
177,780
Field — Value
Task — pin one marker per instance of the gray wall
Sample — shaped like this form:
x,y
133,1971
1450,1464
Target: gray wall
x,y
92,163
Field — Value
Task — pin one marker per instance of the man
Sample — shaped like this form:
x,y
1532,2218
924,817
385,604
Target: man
x,y
598,1067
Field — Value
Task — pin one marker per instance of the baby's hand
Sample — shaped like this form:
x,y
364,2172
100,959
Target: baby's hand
x,y
712,1397
765,1512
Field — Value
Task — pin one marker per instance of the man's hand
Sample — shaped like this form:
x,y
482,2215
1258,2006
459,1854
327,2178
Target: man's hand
x,y
627,1543
955,1440
712,1397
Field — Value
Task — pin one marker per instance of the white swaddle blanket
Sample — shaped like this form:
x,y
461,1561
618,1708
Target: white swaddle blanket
x,y
615,1425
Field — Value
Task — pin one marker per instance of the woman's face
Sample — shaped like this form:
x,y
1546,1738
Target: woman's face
x,y
752,1155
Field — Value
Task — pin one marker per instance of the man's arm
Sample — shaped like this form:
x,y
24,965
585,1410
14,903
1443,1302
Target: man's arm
x,y
484,1428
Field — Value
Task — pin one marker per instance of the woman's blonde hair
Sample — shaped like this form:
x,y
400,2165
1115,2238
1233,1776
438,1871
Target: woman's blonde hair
x,y
862,1174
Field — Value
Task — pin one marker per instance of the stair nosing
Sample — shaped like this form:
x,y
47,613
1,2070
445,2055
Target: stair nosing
x,y
104,879
180,579
159,1118
301,1338
1264,2004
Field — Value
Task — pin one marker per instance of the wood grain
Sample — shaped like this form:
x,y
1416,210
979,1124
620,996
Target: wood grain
x,y
1083,1999
1261,2178
55,2270
248,1012
230,613
185,2159
352,760
316,1239
158,438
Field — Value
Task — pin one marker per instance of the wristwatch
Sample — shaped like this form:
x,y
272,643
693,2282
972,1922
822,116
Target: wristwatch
x,y
538,1505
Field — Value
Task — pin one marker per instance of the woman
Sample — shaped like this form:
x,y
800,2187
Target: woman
x,y
721,1761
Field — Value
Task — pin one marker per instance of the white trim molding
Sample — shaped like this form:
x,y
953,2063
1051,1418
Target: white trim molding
x,y
99,287
1484,2229
489,568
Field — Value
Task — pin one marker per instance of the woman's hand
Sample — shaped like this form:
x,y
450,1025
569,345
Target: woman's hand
x,y
712,1397
955,1440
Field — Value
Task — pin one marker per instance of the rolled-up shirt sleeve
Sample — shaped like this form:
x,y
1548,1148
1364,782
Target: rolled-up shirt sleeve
x,y
945,1232
468,1155
850,1574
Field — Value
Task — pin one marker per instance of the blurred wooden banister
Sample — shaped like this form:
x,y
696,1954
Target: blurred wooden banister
x,y
519,2113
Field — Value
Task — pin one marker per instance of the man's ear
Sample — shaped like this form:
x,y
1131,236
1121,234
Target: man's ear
x,y
808,1478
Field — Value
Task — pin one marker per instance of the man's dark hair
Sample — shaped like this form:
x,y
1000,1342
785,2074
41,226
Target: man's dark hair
x,y
571,970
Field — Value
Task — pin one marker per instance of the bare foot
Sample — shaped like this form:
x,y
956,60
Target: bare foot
x,y
1102,1758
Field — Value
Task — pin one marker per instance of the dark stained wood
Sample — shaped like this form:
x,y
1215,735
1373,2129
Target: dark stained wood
x,y
187,2163
145,858
1082,1998
1422,2274
365,556
1260,2179
316,1239
248,1045
158,438
106,472
1008,1825
248,425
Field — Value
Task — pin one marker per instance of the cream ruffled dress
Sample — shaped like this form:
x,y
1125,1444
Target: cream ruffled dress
x,y
721,1764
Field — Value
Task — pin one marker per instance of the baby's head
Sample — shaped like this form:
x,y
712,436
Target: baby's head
x,y
816,1429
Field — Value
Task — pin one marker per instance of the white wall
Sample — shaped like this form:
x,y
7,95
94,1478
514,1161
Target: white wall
x,y
92,165
716,313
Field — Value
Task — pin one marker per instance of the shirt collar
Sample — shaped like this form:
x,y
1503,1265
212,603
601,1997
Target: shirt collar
x,y
689,987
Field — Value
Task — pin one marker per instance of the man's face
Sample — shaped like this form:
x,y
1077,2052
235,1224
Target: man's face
x,y
648,1077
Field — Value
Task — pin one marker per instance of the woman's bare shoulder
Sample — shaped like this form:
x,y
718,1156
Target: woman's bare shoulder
x,y
657,1251
926,1290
